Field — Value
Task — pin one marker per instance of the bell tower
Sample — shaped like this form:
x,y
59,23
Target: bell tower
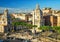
x,y
37,16
37,6
5,16
6,12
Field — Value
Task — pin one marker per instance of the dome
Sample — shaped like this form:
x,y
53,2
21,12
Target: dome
x,y
37,6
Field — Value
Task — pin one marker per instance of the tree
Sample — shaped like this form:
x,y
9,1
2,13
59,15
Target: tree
x,y
45,28
29,26
23,24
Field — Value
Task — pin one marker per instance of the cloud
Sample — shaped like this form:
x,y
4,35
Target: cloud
x,y
15,10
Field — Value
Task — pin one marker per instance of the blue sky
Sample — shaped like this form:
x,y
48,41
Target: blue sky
x,y
29,4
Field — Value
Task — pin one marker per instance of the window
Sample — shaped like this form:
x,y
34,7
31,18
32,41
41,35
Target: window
x,y
0,27
4,22
0,22
37,16
3,19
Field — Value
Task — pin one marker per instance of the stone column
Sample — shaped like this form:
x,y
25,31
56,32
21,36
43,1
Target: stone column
x,y
51,20
58,21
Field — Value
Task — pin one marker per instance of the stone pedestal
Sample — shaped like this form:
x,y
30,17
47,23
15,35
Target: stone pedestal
x,y
1,29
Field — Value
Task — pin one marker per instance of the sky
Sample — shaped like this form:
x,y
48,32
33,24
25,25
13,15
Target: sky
x,y
28,4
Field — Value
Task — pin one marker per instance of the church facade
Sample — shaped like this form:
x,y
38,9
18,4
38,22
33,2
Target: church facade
x,y
3,20
37,17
